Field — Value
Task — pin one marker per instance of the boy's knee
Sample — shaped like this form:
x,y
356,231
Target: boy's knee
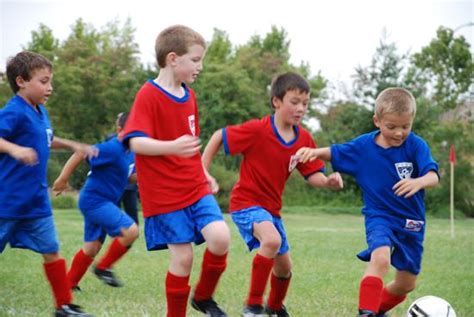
x,y
272,244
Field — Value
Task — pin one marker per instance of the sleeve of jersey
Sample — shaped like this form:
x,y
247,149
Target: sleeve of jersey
x,y
8,122
140,122
424,160
238,138
345,157
309,168
106,156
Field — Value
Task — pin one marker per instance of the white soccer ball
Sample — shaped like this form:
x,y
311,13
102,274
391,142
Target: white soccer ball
x,y
430,306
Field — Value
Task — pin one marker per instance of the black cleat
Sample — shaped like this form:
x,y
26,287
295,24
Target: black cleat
x,y
108,277
277,313
71,310
76,289
208,307
366,313
253,311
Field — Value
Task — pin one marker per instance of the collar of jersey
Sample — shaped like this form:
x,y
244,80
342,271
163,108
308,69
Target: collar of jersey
x,y
280,139
173,97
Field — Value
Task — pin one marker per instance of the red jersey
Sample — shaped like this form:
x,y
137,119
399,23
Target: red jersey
x,y
267,163
166,182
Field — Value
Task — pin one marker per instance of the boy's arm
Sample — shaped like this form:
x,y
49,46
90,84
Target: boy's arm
x,y
409,187
26,155
60,184
212,148
84,149
185,146
310,154
333,181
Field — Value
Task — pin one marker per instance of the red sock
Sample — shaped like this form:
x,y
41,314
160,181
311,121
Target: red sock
x,y
79,266
56,275
370,293
390,300
278,289
114,253
177,292
261,267
212,268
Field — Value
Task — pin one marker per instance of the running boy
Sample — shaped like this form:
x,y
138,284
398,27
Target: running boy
x,y
392,166
178,205
98,204
26,219
269,148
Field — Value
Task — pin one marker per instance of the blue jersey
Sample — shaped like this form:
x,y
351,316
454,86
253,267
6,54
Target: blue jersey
x,y
376,170
108,177
24,189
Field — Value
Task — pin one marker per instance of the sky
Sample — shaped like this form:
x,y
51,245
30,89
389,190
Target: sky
x,y
334,37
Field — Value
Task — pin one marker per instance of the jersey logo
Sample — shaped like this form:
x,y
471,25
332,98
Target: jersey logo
x,y
293,162
49,135
414,225
192,124
404,169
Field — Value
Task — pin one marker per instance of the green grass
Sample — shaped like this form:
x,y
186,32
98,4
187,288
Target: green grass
x,y
325,277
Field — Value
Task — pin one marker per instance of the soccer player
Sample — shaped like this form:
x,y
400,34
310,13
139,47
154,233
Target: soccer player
x,y
269,146
26,135
393,166
178,205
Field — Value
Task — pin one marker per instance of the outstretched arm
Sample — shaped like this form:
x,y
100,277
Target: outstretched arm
x,y
185,146
333,181
212,148
60,184
410,186
310,154
85,150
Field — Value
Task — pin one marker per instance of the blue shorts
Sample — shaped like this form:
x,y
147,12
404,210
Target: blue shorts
x,y
183,225
244,220
108,219
405,241
38,234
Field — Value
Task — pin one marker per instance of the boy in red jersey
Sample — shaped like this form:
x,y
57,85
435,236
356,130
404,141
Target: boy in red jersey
x,y
175,190
269,146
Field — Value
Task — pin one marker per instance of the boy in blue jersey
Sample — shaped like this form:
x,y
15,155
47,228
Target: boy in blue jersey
x,y
26,219
98,202
392,166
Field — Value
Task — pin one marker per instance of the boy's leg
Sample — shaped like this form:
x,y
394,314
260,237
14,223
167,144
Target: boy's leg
x,y
118,247
177,279
396,291
81,262
371,285
279,282
55,270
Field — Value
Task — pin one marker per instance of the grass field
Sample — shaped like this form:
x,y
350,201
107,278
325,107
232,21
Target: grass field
x,y
325,277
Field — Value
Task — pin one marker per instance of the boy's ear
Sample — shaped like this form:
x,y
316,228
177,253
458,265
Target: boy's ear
x,y
171,58
376,121
276,102
20,81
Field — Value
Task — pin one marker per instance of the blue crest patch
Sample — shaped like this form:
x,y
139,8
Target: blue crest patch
x,y
404,169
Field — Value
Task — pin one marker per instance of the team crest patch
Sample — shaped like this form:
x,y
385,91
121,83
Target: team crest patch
x,y
192,124
414,225
49,135
404,169
293,162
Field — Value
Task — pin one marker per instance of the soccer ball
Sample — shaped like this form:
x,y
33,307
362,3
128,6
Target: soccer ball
x,y
430,306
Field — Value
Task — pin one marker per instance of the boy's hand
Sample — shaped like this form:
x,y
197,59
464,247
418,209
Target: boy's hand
x,y
407,187
334,181
306,153
186,146
59,186
213,185
26,155
86,150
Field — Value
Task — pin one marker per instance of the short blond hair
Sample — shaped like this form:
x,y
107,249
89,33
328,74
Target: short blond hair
x,y
395,100
177,39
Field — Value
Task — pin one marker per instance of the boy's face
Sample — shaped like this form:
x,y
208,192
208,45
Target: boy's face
x,y
37,90
189,65
394,129
293,107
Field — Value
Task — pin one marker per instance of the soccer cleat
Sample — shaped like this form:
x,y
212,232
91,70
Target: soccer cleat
x,y
208,307
108,277
366,313
253,311
277,313
70,310
76,289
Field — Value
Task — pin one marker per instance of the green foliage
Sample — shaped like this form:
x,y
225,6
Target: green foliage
x,y
63,202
